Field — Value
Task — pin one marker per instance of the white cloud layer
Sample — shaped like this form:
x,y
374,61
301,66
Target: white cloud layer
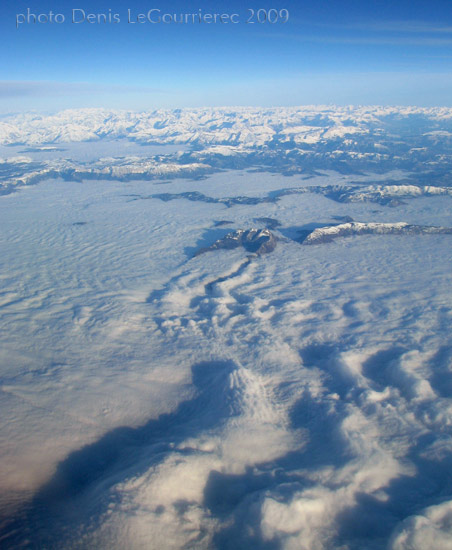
x,y
155,398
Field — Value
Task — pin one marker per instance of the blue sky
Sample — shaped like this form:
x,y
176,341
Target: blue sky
x,y
344,52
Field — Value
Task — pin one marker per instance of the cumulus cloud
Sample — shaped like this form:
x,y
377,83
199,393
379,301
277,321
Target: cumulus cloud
x,y
431,529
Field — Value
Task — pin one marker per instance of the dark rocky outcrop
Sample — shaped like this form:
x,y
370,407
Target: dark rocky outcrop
x,y
258,241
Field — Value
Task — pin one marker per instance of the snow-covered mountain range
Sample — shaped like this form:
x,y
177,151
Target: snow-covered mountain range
x,y
247,127
197,142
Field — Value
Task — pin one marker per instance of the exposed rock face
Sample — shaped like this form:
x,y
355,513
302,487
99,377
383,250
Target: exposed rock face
x,y
196,196
258,241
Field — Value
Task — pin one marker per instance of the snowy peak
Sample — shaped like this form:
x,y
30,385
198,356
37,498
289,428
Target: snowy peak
x,y
257,241
218,126
329,233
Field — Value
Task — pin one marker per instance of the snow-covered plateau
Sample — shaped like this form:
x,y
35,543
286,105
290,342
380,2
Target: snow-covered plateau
x,y
226,329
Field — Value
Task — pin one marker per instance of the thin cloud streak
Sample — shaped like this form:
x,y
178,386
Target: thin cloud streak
x,y
14,89
366,40
411,27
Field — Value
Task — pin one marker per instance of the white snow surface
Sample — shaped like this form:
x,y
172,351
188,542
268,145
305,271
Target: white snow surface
x,y
325,234
238,125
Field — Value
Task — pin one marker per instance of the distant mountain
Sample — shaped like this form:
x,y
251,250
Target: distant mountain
x,y
245,127
299,140
331,232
